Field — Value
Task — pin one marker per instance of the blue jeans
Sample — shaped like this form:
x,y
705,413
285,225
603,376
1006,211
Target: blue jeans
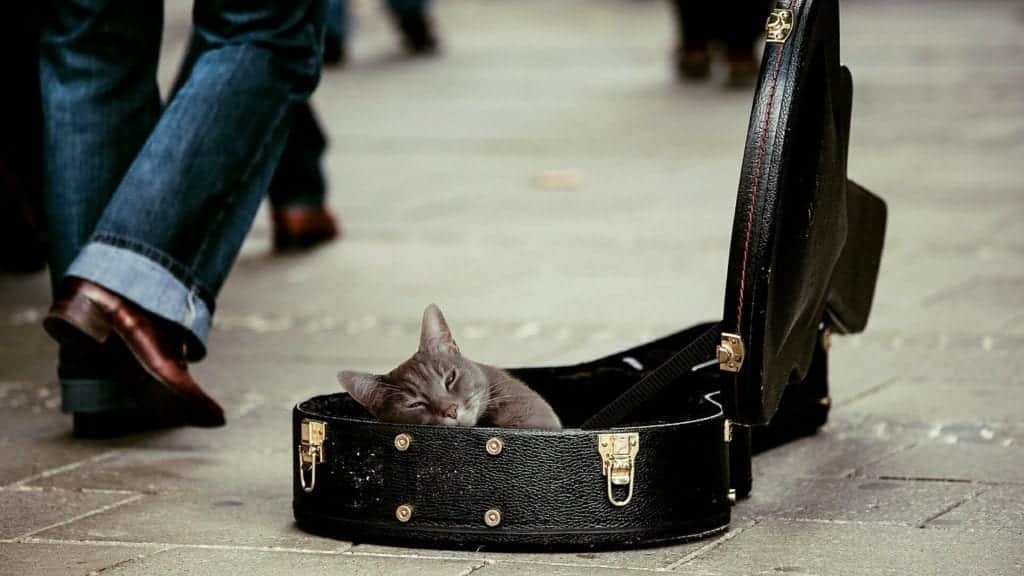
x,y
152,201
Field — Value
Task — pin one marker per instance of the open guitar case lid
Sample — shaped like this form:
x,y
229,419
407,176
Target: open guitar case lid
x,y
658,438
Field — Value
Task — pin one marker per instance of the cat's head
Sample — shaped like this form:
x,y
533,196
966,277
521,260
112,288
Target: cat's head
x,y
436,386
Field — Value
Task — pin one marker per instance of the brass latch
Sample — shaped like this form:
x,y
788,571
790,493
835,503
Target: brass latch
x,y
311,451
731,353
618,461
780,24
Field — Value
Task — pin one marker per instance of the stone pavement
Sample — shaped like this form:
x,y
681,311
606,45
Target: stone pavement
x,y
560,196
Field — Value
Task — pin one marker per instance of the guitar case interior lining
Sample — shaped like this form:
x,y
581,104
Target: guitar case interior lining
x,y
650,452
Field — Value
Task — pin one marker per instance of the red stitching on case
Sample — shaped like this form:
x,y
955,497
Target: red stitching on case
x,y
756,185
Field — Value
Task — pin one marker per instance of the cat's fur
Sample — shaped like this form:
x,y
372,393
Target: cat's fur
x,y
439,385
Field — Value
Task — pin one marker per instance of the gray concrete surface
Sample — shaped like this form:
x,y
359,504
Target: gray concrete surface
x,y
549,184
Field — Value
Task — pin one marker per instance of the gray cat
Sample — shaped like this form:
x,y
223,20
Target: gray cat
x,y
439,385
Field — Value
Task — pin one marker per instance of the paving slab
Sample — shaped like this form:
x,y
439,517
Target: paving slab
x,y
943,401
853,549
646,559
225,499
836,451
199,519
514,569
70,559
950,460
906,503
198,562
31,416
999,507
24,512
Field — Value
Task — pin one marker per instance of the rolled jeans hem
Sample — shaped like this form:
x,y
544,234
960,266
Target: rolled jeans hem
x,y
149,285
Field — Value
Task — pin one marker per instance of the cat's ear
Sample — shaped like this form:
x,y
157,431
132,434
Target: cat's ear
x,y
435,336
362,387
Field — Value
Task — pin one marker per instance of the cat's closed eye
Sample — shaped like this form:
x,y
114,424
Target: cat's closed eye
x,y
450,378
417,404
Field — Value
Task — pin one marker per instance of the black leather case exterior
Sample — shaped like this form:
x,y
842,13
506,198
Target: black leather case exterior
x,y
548,486
805,252
801,240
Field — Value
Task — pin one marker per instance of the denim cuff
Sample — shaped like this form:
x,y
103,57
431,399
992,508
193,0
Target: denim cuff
x,y
90,395
149,285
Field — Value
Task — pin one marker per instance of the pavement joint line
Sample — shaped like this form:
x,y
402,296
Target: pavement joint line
x,y
949,480
171,545
84,515
24,488
837,522
409,556
65,468
413,556
570,564
131,560
839,406
953,506
711,545
856,472
476,567
83,542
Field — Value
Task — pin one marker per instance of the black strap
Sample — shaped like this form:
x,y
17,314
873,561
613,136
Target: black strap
x,y
697,352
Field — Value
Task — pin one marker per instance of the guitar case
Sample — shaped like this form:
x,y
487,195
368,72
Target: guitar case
x,y
657,439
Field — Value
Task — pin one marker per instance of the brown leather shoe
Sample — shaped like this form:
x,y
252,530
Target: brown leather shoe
x,y
157,345
302,228
743,70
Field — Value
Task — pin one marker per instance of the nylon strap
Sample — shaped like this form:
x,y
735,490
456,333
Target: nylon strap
x,y
697,352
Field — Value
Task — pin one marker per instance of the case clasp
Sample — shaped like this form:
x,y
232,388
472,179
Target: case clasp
x,y
311,451
618,462
731,353
780,24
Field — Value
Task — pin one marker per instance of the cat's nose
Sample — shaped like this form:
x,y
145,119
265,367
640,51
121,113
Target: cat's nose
x,y
452,412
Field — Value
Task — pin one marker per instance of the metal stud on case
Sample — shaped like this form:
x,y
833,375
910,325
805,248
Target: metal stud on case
x,y
492,517
402,442
494,446
404,512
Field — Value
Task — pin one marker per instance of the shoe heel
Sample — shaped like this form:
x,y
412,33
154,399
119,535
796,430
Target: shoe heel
x,y
68,319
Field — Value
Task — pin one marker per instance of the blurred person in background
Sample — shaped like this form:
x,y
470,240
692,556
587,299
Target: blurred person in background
x,y
22,226
298,191
148,203
411,19
737,24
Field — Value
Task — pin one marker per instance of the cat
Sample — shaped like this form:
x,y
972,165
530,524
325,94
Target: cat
x,y
438,385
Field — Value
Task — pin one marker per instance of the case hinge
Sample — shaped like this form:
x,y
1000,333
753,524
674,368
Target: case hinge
x,y
311,451
731,353
780,24
618,462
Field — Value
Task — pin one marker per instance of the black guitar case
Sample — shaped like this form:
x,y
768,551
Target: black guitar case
x,y
658,438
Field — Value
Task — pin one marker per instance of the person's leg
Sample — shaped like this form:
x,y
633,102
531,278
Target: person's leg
x,y
172,230
413,21
167,237
741,23
100,100
22,226
693,22
298,190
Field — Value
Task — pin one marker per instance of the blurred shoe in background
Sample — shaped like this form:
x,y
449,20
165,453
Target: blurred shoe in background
x,y
411,19
732,25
